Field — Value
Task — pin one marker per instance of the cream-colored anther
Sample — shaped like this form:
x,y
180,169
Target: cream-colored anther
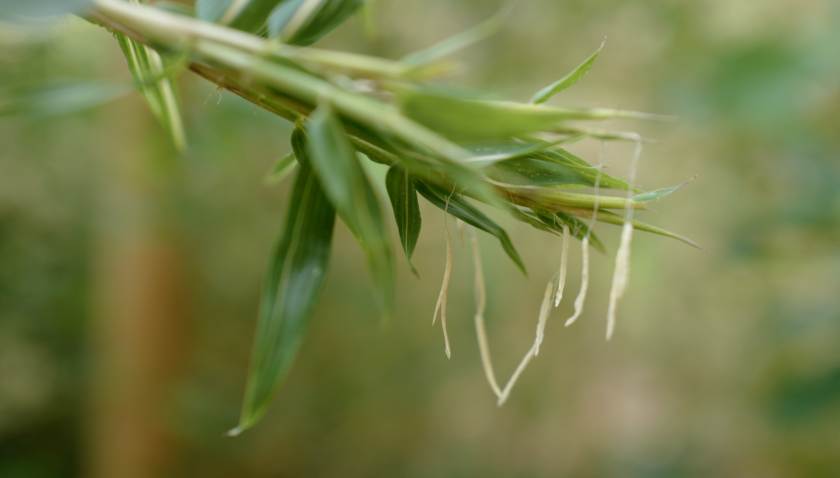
x,y
441,303
563,265
620,276
584,282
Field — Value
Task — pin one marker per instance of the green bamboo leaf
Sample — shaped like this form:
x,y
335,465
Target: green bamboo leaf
x,y
553,196
246,15
281,16
463,210
56,100
557,155
329,14
577,228
293,284
528,216
538,172
469,120
488,153
406,209
463,119
351,193
459,41
659,193
568,80
541,112
149,72
542,174
617,219
421,163
282,168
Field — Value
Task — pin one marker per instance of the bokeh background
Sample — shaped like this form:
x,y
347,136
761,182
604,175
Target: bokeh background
x,y
129,275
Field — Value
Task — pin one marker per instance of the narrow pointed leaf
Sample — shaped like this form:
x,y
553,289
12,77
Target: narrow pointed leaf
x,y
461,119
406,209
572,168
148,69
247,15
545,113
659,193
282,168
463,210
293,284
549,197
457,42
281,15
617,219
559,155
351,193
330,14
577,228
469,120
568,80
487,154
529,217
537,172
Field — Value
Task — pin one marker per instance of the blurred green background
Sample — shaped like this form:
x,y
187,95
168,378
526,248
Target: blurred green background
x,y
129,275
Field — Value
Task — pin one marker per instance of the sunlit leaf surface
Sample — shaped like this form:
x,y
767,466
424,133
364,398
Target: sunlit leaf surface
x,y
406,208
350,191
293,284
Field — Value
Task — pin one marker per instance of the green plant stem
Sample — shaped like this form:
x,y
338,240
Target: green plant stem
x,y
284,108
547,197
180,31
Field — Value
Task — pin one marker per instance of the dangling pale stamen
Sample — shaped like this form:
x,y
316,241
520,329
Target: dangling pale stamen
x,y
506,392
545,310
480,304
584,282
444,288
622,258
621,275
441,303
584,274
460,224
484,349
563,256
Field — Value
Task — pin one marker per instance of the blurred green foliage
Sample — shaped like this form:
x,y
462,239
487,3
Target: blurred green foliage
x,y
724,365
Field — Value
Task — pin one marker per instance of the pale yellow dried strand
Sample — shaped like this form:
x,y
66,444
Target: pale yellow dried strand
x,y
620,277
479,290
563,265
584,274
545,311
443,325
460,224
506,392
480,304
441,303
584,282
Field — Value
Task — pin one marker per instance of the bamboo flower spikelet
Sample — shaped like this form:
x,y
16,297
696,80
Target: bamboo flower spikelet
x,y
466,153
